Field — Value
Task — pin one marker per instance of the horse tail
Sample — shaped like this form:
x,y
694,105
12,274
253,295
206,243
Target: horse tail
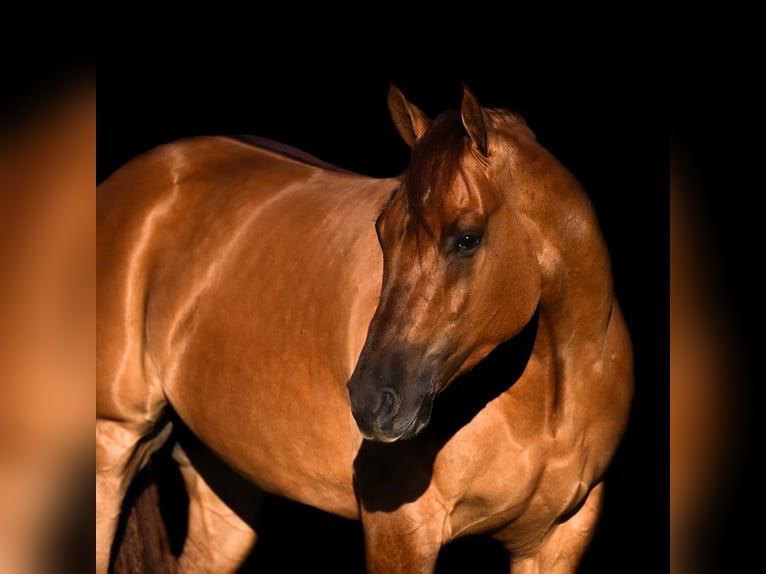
x,y
144,544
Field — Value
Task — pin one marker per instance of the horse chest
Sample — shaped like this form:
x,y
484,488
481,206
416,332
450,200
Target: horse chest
x,y
519,490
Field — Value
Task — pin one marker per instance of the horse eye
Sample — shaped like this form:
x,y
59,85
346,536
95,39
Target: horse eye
x,y
466,243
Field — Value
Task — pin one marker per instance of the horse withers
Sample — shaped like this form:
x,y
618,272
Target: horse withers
x,y
437,354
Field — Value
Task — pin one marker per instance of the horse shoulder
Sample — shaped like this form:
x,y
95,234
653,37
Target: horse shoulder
x,y
490,471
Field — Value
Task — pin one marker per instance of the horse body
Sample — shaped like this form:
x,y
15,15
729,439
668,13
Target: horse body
x,y
243,288
213,346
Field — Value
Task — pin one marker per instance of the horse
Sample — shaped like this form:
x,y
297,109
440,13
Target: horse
x,y
437,354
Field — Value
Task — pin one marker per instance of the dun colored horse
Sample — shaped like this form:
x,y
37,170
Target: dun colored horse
x,y
438,354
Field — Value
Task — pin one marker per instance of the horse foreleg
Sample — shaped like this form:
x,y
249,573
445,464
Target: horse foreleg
x,y
407,539
217,539
564,548
122,449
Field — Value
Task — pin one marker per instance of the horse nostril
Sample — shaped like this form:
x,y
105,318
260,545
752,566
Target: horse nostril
x,y
389,406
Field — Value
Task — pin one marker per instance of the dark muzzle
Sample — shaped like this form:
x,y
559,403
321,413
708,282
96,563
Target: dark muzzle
x,y
388,400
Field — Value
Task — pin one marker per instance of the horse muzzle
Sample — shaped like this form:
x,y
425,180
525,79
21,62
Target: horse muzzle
x,y
388,409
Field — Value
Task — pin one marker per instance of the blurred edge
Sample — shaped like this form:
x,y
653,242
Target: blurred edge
x,y
714,326
47,313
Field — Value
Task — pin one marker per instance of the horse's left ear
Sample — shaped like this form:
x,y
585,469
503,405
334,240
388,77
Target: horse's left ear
x,y
475,122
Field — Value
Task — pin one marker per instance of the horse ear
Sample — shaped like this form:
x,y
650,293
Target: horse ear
x,y
410,122
475,121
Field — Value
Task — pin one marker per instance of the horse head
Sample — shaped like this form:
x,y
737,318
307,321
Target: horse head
x,y
460,274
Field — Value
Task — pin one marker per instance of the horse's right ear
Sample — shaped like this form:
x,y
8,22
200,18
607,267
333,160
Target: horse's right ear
x,y
410,122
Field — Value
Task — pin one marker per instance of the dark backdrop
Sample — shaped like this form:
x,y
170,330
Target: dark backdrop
x,y
598,112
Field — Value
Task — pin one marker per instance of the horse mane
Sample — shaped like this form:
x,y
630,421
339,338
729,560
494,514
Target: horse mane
x,y
435,159
434,164
287,151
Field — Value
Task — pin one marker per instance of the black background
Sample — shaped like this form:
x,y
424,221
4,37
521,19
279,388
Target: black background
x,y
599,110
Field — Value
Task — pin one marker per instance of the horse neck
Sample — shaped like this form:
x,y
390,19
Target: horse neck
x,y
576,284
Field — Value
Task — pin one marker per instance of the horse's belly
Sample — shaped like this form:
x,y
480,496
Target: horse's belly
x,y
283,421
279,449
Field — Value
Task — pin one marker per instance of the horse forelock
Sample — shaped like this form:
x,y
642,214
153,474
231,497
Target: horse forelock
x,y
434,163
435,160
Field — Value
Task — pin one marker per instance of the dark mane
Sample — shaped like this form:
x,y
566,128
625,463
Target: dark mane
x,y
287,151
434,163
